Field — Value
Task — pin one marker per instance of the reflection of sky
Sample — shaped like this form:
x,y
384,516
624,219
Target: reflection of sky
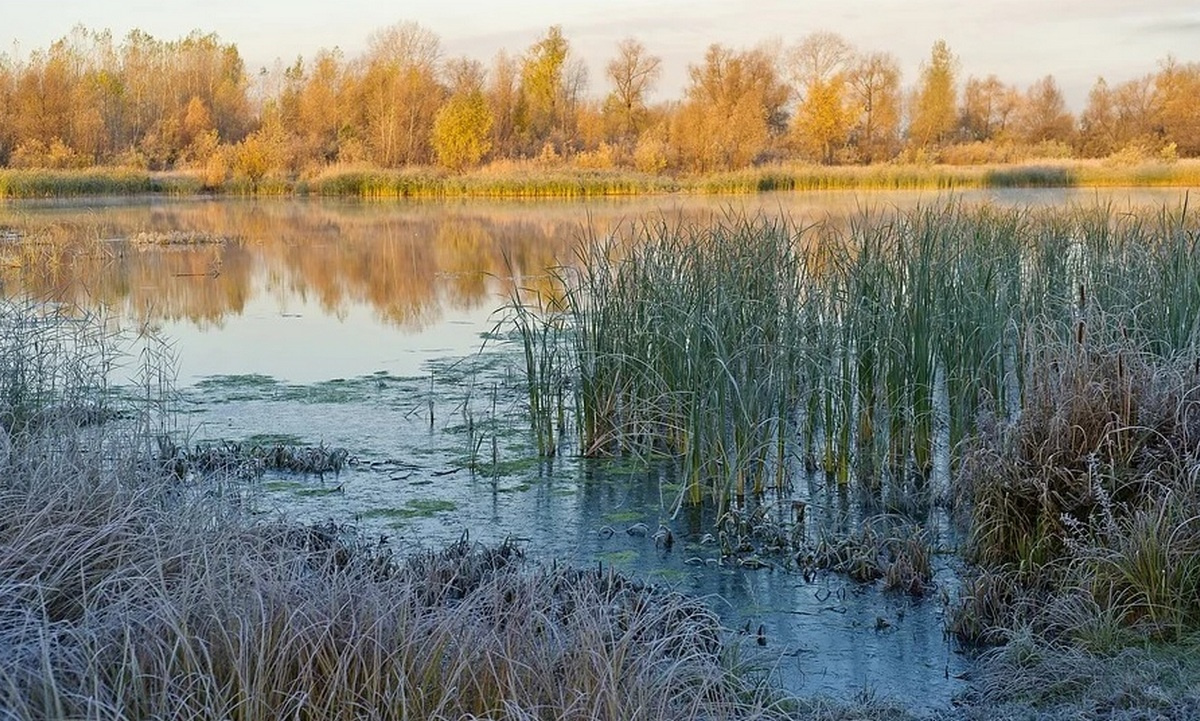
x,y
297,341
1019,40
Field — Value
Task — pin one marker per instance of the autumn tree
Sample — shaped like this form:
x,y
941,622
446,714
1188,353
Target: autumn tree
x,y
322,115
934,104
8,73
145,91
506,104
1119,117
989,109
94,99
1135,102
213,71
735,104
1177,105
400,94
42,97
1043,116
874,83
463,126
161,104
108,82
1097,123
262,152
824,116
574,91
157,82
633,73
544,89
197,133
593,131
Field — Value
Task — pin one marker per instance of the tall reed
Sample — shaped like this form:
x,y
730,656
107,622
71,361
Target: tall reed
x,y
745,345
689,342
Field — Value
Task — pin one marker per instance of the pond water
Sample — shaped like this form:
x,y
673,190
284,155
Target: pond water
x,y
376,327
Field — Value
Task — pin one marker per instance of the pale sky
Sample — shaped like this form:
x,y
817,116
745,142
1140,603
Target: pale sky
x,y
1019,40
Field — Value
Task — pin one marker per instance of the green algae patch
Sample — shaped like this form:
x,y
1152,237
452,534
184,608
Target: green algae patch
x,y
319,492
619,558
415,508
626,516
240,387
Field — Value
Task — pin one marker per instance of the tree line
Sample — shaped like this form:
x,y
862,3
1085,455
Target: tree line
x,y
190,103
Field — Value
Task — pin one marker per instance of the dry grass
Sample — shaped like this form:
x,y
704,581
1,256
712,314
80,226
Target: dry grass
x,y
1033,679
1085,512
890,548
127,600
531,179
128,592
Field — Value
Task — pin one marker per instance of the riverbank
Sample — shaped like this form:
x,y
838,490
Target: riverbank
x,y
538,181
1074,527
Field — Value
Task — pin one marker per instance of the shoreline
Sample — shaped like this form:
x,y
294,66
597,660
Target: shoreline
x,y
571,182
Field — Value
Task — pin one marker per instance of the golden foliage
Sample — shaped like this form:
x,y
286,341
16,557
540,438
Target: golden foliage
x,y
462,131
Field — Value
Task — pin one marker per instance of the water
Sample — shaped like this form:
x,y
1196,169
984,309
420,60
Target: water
x,y
374,327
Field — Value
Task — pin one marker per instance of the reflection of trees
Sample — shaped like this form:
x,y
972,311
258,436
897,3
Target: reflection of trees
x,y
408,262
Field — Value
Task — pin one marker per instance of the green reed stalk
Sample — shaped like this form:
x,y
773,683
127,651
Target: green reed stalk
x,y
725,345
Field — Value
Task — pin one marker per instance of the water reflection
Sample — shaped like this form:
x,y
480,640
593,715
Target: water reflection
x,y
409,263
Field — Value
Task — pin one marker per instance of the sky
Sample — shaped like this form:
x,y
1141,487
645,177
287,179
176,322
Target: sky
x,y
1018,40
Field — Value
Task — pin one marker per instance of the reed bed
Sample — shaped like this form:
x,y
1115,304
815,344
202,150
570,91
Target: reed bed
x,y
539,183
750,349
71,183
1048,356
914,176
26,184
563,180
688,344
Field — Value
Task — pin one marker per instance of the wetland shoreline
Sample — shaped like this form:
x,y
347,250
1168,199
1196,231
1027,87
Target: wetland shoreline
x,y
1068,605
569,182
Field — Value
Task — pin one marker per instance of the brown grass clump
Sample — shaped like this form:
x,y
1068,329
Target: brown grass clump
x,y
885,547
1090,493
1032,678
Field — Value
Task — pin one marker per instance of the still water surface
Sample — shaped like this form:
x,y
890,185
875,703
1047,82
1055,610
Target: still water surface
x,y
375,327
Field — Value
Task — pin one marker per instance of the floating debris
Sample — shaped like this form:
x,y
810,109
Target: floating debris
x,y
178,237
664,538
250,461
885,547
